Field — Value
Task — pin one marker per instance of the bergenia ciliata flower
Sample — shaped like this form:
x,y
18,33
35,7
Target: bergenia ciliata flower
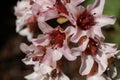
x,y
26,22
88,21
56,41
92,52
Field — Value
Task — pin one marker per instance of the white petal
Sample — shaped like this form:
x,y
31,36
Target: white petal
x,y
101,59
42,40
96,32
67,52
26,32
79,33
81,47
86,65
57,55
24,47
44,27
105,20
70,30
77,2
44,69
74,11
31,76
29,61
97,7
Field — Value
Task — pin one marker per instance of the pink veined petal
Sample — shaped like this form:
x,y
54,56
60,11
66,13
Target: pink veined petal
x,y
67,52
79,33
96,31
69,31
31,76
97,7
101,59
29,61
25,32
44,27
74,12
81,47
47,60
44,5
42,40
24,47
49,14
44,69
76,2
110,49
86,65
57,55
105,20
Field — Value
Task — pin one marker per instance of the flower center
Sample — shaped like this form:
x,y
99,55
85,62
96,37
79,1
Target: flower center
x,y
57,38
85,21
92,47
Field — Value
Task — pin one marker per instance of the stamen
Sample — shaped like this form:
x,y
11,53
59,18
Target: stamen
x,y
57,38
85,21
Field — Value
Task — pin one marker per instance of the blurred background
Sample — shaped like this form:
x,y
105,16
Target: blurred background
x,y
11,66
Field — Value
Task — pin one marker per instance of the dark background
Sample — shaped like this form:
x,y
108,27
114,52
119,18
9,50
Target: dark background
x,y
11,66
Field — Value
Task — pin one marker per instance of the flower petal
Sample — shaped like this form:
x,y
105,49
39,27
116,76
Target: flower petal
x,y
86,65
26,32
81,47
101,59
105,20
42,40
44,27
76,2
97,7
69,31
96,32
31,76
79,33
67,52
57,55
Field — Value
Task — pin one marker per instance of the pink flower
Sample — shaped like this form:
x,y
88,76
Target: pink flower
x,y
44,9
88,21
34,54
26,22
56,41
92,51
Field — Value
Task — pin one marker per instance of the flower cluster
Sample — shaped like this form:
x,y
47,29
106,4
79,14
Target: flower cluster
x,y
53,43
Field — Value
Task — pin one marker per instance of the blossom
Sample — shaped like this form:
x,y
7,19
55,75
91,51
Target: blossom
x,y
34,54
26,22
29,14
43,64
56,42
44,72
88,21
94,52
